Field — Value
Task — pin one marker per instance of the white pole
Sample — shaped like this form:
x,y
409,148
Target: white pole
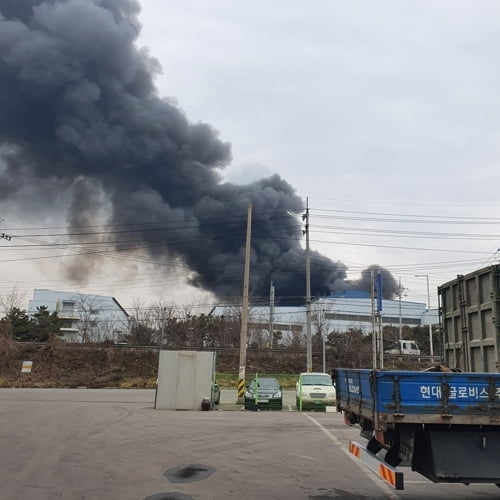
x,y
323,336
271,316
429,316
431,346
324,354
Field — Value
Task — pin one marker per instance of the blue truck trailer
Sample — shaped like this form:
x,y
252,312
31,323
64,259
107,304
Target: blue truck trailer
x,y
444,425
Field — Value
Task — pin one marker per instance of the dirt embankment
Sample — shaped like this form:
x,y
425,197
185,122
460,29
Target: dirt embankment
x,y
57,364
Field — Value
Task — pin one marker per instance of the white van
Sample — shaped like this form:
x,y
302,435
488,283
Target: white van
x,y
314,391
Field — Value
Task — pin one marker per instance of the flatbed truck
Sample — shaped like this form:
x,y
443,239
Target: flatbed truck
x,y
444,425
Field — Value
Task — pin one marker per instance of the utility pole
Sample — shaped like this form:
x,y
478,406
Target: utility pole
x,y
244,311
429,315
271,316
379,318
400,315
374,333
308,292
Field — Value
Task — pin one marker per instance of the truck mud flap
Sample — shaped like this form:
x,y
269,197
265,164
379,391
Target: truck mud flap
x,y
389,474
455,455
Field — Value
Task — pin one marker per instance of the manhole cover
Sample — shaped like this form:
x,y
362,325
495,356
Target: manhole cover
x,y
169,495
188,473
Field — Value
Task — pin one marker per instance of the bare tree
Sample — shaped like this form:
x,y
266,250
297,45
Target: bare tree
x,y
177,326
320,327
166,319
352,348
87,307
142,331
14,298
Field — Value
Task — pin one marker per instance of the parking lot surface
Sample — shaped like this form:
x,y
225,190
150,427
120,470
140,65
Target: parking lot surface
x,y
112,444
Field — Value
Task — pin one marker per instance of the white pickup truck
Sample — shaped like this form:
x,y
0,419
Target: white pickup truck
x,y
404,347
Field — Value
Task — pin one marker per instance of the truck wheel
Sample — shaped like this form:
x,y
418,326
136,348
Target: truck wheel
x,y
373,446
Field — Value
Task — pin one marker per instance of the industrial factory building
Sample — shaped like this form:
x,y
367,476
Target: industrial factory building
x,y
85,318
340,312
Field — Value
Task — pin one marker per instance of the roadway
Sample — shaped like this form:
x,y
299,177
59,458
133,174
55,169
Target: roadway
x,y
112,444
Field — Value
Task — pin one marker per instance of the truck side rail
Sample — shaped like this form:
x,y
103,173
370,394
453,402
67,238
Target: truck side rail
x,y
389,397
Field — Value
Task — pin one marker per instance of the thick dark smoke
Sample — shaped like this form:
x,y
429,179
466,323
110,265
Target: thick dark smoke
x,y
79,109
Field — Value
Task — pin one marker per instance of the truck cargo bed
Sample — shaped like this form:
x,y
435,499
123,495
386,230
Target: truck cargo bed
x,y
389,397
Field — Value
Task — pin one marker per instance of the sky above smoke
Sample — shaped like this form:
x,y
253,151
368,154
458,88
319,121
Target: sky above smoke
x,y
84,132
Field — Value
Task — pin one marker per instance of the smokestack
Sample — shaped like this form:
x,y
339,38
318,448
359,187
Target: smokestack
x,y
82,120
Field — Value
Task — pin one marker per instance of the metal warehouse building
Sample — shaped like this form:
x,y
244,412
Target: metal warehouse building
x,y
340,312
85,318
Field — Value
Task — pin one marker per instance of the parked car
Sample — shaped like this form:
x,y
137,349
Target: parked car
x,y
264,393
315,391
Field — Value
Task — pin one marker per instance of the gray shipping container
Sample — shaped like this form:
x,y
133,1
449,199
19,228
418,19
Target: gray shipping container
x,y
469,308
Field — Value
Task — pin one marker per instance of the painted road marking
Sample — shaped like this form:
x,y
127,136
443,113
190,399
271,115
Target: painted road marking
x,y
388,491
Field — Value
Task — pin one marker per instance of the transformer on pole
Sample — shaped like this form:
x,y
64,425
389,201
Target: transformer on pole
x,y
308,292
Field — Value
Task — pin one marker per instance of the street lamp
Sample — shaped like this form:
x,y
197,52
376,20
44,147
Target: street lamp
x,y
429,304
321,322
400,294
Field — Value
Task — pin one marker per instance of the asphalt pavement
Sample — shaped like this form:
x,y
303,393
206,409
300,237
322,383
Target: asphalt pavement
x,y
112,444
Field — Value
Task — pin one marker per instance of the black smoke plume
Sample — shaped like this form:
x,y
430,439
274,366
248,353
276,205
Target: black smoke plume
x,y
82,125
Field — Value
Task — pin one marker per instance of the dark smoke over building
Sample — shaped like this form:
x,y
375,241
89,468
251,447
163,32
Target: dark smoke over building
x,y
82,125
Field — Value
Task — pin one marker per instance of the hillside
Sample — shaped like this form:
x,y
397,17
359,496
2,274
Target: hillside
x,y
57,364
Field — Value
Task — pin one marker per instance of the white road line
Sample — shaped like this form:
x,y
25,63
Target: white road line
x,y
305,457
388,491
